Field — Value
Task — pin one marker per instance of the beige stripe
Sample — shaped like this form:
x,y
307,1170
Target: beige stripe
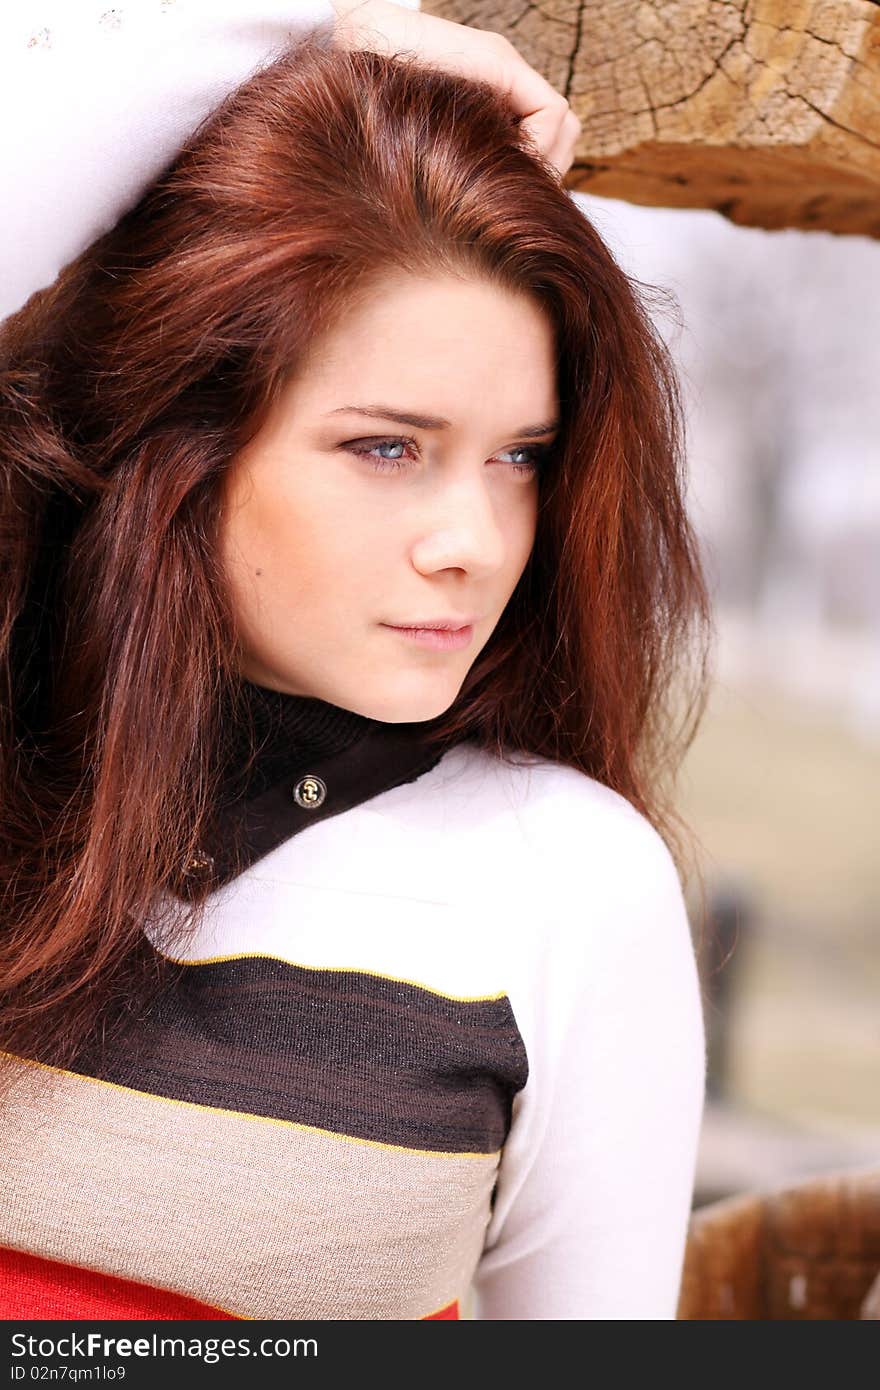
x,y
264,1218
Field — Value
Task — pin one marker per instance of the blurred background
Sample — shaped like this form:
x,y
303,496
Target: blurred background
x,y
777,340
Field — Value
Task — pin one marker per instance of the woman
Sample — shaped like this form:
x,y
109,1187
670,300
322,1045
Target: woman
x,y
346,967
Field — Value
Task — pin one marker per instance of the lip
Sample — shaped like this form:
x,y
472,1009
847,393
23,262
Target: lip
x,y
437,624
442,639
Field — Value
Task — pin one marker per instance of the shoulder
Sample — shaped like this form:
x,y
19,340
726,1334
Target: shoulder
x,y
558,866
563,822
539,861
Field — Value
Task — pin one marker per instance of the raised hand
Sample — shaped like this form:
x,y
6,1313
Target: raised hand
x,y
382,26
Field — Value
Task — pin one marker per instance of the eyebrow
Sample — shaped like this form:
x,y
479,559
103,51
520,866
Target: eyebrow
x,y
431,422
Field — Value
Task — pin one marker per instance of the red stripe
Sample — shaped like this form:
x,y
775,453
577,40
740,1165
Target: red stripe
x,y
31,1287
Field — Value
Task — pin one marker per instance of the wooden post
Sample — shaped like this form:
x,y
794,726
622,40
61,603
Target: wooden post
x,y
806,1251
766,110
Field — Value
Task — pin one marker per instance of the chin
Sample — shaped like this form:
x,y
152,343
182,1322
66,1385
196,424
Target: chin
x,y
397,708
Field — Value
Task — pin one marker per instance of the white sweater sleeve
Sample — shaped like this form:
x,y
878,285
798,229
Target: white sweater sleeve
x,y
596,1180
96,100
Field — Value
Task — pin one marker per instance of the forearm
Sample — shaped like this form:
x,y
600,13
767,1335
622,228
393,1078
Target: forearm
x,y
102,105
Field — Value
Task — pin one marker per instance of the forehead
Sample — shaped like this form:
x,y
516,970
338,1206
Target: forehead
x,y
443,344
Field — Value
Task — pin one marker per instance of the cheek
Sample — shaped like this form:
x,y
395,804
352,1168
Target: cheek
x,y
261,521
286,554
524,541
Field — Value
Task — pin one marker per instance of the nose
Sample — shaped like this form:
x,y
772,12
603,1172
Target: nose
x,y
464,527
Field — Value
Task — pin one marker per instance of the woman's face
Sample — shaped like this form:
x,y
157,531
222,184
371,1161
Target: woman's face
x,y
338,519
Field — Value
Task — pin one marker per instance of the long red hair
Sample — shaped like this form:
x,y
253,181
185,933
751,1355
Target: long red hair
x,y
128,386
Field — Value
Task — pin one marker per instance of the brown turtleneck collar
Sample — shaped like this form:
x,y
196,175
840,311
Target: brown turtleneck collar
x,y
281,731
292,760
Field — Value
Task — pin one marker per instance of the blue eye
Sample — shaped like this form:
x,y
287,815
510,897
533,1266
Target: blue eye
x,y
382,465
539,453
364,448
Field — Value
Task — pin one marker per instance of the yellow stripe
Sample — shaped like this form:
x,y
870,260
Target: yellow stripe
x,y
243,1317
335,969
246,1115
439,1309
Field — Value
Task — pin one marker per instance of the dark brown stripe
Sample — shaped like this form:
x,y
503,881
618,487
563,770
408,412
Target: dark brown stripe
x,y
342,1050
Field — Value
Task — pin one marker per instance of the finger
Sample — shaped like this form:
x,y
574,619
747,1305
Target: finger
x,y
562,154
529,94
558,147
492,57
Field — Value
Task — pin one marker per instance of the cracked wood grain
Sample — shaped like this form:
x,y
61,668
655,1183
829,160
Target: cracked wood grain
x,y
766,110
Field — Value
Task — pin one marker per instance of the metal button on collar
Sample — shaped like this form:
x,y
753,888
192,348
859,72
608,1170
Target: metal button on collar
x,y
201,863
310,791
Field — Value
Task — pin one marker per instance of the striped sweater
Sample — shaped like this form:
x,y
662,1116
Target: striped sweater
x,y
438,1054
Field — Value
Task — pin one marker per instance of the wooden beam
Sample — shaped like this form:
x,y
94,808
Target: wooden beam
x,y
766,110
807,1251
